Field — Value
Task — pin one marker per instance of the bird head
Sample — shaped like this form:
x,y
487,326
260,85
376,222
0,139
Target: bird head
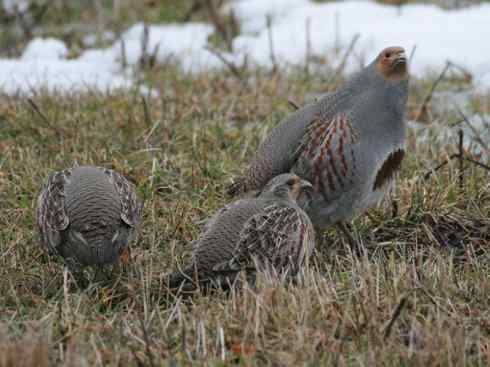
x,y
287,185
392,63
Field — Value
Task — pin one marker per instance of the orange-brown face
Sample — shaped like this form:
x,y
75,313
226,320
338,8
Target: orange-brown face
x,y
392,63
299,187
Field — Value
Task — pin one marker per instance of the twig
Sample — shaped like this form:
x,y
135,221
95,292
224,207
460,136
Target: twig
x,y
293,104
347,54
412,53
184,341
146,112
339,70
461,162
396,315
308,46
479,164
146,338
466,74
337,33
271,44
145,37
451,157
235,70
37,11
219,25
427,99
36,109
394,208
477,136
99,8
153,57
439,166
222,342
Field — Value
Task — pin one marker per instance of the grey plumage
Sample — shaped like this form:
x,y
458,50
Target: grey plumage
x,y
87,215
269,230
348,144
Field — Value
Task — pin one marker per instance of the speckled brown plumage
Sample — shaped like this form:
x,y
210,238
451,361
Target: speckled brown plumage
x,y
270,231
87,215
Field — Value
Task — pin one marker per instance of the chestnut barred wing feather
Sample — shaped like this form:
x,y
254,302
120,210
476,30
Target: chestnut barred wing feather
x,y
326,155
278,236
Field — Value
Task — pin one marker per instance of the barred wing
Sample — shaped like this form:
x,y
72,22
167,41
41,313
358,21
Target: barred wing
x,y
131,207
51,216
281,236
326,155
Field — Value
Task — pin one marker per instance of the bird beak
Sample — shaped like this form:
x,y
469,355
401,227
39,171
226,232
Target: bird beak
x,y
306,187
401,59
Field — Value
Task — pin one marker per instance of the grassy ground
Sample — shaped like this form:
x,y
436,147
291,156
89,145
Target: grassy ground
x,y
418,296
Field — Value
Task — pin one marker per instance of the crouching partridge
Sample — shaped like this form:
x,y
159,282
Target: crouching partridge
x,y
269,231
87,215
349,144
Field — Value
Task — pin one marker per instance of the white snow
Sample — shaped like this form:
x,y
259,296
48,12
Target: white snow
x,y
43,65
45,49
476,134
185,42
439,35
11,6
58,75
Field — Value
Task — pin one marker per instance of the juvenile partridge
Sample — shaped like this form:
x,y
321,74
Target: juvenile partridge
x,y
270,231
349,144
87,215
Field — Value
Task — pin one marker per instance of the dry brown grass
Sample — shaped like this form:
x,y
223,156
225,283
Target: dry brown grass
x,y
417,296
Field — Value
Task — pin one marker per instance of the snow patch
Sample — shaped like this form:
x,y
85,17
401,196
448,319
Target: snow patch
x,y
438,35
183,42
476,134
45,49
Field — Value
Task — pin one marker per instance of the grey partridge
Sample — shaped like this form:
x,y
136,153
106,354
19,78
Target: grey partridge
x,y
87,215
269,231
349,144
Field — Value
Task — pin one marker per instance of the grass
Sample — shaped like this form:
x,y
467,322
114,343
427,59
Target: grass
x,y
417,296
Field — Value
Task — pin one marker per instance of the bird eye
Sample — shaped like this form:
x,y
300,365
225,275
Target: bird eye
x,y
387,55
291,182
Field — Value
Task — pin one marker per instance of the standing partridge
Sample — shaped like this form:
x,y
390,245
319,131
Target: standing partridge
x,y
269,231
87,215
349,144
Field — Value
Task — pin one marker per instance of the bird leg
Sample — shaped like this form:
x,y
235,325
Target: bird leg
x,y
121,266
76,271
101,276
